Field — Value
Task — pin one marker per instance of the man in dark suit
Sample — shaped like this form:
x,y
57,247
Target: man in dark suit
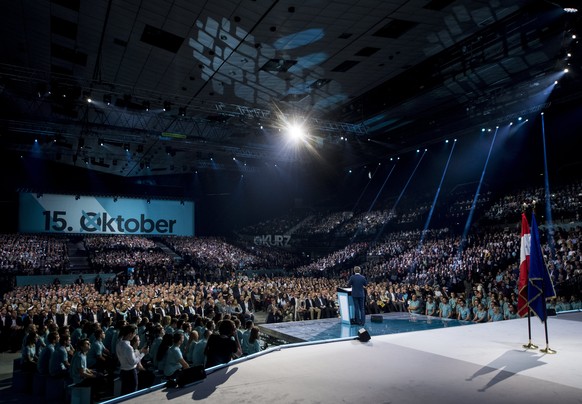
x,y
311,306
358,282
323,305
190,311
75,318
94,315
174,309
133,313
39,318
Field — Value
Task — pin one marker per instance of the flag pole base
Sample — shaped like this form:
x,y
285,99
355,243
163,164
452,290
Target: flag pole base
x,y
548,350
529,345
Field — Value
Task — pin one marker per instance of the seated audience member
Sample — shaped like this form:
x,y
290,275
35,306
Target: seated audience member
x,y
253,342
81,375
175,361
463,312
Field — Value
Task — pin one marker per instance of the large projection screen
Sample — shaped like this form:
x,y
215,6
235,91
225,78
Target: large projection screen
x,y
51,213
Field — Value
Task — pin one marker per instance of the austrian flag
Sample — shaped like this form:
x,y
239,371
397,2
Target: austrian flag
x,y
522,298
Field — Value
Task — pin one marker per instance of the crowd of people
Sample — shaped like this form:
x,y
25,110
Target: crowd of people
x,y
33,254
166,315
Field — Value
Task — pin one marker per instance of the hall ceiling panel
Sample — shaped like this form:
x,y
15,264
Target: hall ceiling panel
x,y
398,63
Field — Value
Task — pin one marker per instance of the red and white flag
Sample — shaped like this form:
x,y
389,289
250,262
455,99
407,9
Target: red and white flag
x,y
522,306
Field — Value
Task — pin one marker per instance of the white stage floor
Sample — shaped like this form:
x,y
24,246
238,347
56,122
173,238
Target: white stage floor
x,y
483,363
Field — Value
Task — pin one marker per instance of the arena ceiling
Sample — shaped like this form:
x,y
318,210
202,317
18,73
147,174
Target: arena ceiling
x,y
178,86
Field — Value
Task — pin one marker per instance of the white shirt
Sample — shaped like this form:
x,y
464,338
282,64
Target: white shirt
x,y
128,358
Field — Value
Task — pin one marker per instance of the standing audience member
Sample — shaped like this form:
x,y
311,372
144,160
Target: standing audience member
x,y
197,355
59,363
29,356
45,355
128,359
222,347
145,377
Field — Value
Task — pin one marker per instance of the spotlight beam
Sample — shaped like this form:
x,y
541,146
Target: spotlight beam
x,y
476,197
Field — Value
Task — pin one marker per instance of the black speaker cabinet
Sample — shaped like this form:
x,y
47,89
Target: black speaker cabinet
x,y
363,335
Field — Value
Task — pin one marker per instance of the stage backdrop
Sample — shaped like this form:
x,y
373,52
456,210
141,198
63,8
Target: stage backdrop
x,y
50,213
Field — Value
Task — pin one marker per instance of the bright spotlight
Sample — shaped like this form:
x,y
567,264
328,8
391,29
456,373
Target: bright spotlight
x,y
510,123
447,141
566,70
519,119
574,36
570,10
89,100
556,82
418,150
296,132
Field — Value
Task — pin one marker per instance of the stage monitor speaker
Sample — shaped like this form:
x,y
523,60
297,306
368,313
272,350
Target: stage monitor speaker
x,y
363,335
376,318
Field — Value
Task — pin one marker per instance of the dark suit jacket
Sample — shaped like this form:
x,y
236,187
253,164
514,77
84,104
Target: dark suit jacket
x,y
147,313
309,303
133,312
357,283
89,316
60,319
75,319
38,319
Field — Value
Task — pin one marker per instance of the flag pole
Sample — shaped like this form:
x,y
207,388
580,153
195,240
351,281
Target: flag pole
x,y
530,345
547,349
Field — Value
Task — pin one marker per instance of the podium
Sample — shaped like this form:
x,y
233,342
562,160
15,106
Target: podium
x,y
346,304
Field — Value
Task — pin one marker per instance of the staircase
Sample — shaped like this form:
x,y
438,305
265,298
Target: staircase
x,y
78,257
175,257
